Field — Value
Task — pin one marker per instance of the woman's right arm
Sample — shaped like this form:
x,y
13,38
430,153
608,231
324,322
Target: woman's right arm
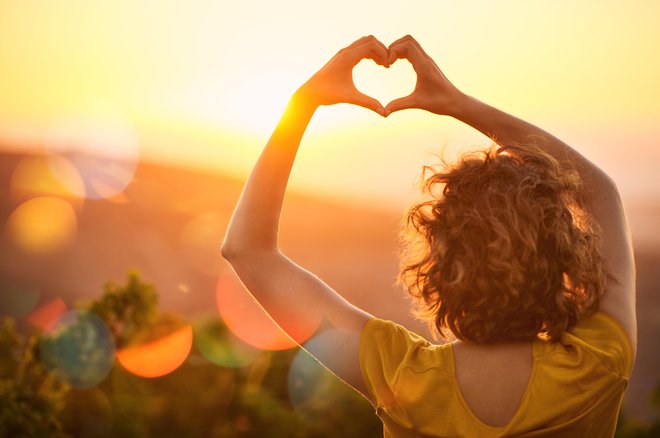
x,y
435,93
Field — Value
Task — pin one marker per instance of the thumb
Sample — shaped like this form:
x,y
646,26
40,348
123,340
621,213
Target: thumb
x,y
400,104
368,102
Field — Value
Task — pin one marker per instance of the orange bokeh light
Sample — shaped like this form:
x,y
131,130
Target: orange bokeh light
x,y
249,322
42,225
160,357
46,175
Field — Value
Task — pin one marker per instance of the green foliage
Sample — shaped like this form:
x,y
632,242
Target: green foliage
x,y
31,396
127,310
655,397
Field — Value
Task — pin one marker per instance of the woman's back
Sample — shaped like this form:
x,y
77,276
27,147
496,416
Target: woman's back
x,y
493,378
572,387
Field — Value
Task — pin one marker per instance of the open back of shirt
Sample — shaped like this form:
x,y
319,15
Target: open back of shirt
x,y
575,388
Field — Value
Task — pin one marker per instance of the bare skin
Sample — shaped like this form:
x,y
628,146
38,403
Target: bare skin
x,y
291,294
493,392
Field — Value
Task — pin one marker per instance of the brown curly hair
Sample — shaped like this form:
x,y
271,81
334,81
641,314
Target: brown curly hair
x,y
505,251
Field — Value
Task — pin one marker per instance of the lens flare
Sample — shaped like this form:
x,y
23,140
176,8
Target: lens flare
x,y
17,300
306,378
218,345
42,225
80,348
249,322
45,316
160,357
312,387
101,143
103,177
46,175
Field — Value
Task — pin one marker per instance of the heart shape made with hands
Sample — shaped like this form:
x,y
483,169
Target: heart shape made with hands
x,y
384,84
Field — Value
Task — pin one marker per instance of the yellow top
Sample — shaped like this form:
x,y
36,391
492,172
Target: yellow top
x,y
575,388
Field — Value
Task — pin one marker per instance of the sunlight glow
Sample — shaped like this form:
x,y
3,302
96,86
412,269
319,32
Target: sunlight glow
x,y
100,141
257,99
229,69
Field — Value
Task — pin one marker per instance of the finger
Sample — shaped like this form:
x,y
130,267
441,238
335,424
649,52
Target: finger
x,y
392,47
373,49
365,101
401,103
406,48
407,38
377,49
359,41
353,45
365,39
416,43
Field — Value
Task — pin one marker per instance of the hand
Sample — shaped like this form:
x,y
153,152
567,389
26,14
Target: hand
x,y
433,91
334,82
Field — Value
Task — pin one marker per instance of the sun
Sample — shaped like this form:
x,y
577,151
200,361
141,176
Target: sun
x,y
251,100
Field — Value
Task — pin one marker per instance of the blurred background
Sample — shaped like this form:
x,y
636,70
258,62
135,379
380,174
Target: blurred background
x,y
127,130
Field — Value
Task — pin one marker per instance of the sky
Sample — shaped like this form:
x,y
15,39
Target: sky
x,y
201,83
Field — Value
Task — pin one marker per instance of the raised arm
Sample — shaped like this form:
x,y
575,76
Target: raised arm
x,y
435,93
292,296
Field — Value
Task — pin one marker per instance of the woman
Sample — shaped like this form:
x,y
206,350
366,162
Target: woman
x,y
524,256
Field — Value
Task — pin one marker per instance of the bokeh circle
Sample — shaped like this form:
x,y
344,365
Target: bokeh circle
x,y
80,348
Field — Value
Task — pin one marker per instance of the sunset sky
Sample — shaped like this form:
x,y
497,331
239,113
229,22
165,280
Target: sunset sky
x,y
201,83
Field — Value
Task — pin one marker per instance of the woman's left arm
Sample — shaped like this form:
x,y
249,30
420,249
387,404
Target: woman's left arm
x,y
292,296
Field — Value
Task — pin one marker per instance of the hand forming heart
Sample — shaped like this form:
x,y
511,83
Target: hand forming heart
x,y
334,82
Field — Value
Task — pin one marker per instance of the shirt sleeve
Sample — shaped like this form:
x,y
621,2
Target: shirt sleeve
x,y
606,338
385,349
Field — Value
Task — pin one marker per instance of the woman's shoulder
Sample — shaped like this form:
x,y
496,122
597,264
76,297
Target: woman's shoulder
x,y
598,337
394,341
387,349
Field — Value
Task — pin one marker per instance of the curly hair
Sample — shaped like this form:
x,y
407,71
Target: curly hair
x,y
505,251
